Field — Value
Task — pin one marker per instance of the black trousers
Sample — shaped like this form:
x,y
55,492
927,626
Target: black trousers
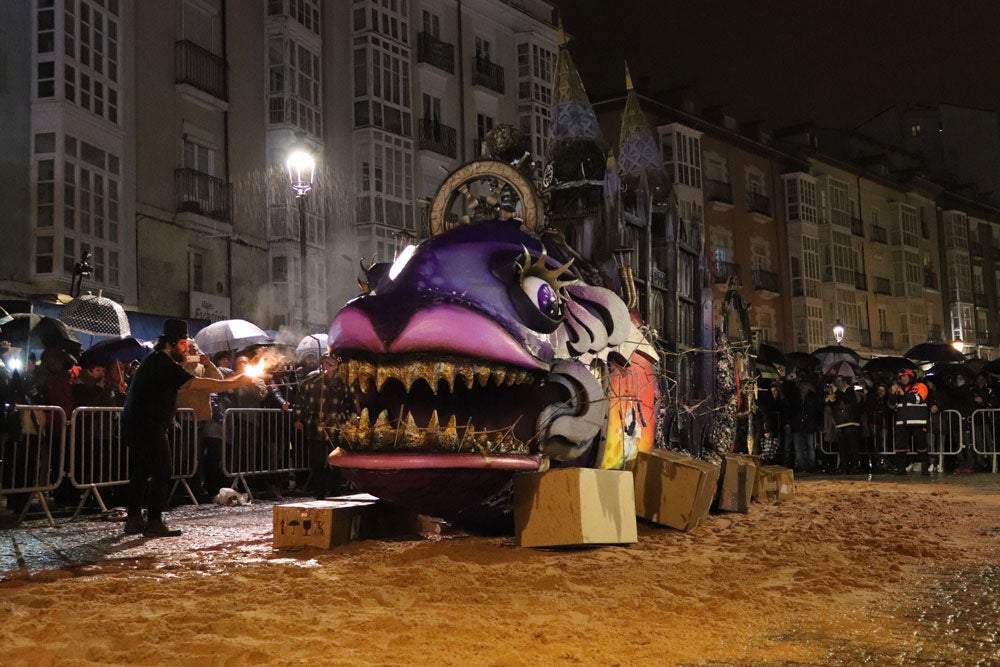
x,y
848,445
149,469
908,439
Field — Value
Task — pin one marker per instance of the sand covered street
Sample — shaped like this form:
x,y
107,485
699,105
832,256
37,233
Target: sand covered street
x,y
836,576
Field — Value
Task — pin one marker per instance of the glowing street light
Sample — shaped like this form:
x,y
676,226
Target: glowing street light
x,y
838,332
959,345
301,170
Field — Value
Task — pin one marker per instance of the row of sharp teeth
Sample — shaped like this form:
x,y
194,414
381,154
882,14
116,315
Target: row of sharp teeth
x,y
431,372
405,434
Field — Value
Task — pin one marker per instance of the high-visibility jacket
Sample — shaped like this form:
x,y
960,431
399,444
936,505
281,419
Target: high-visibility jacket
x,y
911,406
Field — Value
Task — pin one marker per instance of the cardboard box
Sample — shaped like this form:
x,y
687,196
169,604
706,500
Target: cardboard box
x,y
574,506
673,489
318,523
736,487
327,523
776,483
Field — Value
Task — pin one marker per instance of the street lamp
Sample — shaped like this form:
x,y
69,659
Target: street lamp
x,y
301,170
838,332
81,270
959,345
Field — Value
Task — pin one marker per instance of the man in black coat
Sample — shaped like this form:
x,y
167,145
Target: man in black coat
x,y
148,412
846,410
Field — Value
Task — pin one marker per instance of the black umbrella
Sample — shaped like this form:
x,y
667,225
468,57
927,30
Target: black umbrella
x,y
992,367
890,365
769,354
831,354
949,374
935,352
802,361
116,349
30,331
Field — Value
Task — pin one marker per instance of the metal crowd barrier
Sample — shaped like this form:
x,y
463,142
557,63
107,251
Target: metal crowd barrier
x,y
984,433
260,441
32,454
945,436
99,459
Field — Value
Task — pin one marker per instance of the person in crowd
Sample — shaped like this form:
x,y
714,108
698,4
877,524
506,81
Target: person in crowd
x,y
322,394
769,424
148,413
980,397
875,406
92,387
908,400
223,361
846,411
205,407
6,375
803,409
57,371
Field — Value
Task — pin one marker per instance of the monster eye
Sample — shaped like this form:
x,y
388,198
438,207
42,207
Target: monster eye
x,y
543,296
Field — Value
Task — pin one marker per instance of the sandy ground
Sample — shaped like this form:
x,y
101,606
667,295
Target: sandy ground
x,y
789,583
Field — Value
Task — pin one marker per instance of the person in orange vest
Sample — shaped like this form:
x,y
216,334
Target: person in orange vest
x,y
908,398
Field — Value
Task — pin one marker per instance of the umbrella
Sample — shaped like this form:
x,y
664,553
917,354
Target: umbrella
x,y
801,361
766,371
975,364
31,331
949,374
96,315
229,335
935,352
769,354
992,367
312,344
889,365
115,349
848,369
833,353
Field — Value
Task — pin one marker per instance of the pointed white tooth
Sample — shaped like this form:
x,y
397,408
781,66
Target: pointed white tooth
x,y
411,435
511,378
465,372
382,374
413,373
444,370
448,438
432,432
383,435
363,421
482,375
498,375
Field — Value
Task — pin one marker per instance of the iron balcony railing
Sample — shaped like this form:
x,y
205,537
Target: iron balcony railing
x,y
759,203
437,137
723,271
983,338
433,51
880,234
200,193
766,281
199,67
865,337
858,227
885,339
487,74
930,279
977,249
719,191
883,286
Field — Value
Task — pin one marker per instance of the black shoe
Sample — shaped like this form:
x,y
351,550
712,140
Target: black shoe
x,y
899,471
134,526
159,529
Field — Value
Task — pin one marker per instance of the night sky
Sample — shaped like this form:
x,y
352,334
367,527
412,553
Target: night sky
x,y
828,61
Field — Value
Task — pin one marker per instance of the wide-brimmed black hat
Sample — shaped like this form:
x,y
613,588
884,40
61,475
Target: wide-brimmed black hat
x,y
174,330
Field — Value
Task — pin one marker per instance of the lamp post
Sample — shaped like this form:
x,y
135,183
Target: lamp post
x,y
301,169
81,270
838,332
959,345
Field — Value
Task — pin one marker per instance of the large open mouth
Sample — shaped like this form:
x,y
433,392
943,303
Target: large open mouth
x,y
441,404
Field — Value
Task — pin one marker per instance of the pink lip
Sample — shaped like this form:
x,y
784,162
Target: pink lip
x,y
443,328
345,459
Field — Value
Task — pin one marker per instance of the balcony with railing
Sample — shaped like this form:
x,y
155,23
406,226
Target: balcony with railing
x,y
982,299
935,333
433,51
885,339
766,281
930,279
201,194
882,286
759,203
865,337
880,234
437,137
487,74
723,271
201,69
718,191
858,227
982,337
860,281
977,249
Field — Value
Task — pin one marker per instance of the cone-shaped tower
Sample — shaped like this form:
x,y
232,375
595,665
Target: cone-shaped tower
x,y
640,161
576,148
